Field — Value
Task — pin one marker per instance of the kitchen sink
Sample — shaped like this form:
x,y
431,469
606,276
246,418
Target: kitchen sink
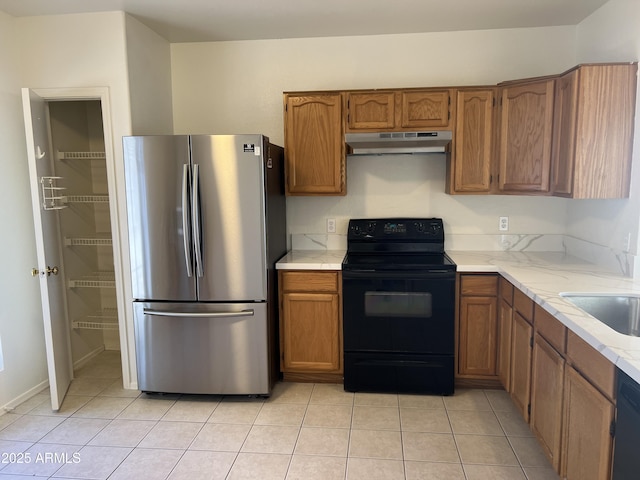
x,y
620,312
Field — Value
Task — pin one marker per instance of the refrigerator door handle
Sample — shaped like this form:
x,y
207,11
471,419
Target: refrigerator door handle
x,y
197,231
186,231
162,313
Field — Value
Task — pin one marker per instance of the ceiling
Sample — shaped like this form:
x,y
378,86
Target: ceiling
x,y
220,20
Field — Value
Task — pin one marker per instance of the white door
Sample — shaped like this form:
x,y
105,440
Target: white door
x,y
56,325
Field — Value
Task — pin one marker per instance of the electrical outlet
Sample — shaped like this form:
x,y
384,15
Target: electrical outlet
x,y
331,225
503,224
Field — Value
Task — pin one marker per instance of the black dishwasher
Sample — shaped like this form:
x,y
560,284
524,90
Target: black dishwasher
x,y
626,457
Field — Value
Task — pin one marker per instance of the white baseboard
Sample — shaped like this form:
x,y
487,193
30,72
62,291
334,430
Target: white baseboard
x,y
23,397
87,358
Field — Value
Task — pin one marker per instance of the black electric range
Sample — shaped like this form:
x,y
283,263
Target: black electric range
x,y
398,307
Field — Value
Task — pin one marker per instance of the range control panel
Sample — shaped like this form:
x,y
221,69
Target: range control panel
x,y
396,229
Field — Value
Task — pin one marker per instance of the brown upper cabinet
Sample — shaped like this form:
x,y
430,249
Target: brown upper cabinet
x,y
526,119
567,135
469,167
392,110
593,131
315,151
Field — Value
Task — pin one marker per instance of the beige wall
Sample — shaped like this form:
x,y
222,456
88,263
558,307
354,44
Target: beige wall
x,y
236,87
149,74
21,331
611,34
75,52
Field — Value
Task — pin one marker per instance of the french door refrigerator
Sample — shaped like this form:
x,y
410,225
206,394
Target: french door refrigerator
x,y
206,217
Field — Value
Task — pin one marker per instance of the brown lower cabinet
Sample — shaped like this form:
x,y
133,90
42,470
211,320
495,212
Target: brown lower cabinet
x,y
547,378
311,326
587,445
521,334
477,329
563,387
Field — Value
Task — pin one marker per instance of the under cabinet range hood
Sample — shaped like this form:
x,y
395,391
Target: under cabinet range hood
x,y
379,143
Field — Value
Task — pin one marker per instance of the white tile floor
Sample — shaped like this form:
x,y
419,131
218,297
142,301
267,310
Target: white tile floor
x,y
304,431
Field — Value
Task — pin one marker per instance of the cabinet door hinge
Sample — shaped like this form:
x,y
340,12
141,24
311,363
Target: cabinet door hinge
x,y
531,342
529,409
612,428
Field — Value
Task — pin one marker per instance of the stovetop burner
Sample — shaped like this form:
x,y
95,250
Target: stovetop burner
x,y
398,262
396,243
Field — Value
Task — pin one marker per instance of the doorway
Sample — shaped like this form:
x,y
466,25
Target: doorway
x,y
77,142
71,164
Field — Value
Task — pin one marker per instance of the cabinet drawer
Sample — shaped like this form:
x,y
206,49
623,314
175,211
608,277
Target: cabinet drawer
x,y
551,329
523,304
479,285
309,281
592,364
506,291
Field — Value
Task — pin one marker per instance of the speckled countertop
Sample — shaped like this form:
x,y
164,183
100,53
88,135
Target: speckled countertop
x,y
542,276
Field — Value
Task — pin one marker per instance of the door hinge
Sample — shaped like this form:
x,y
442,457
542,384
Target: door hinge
x,y
612,428
529,409
531,342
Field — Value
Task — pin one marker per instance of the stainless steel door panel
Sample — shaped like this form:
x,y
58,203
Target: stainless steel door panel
x,y
202,348
158,181
232,215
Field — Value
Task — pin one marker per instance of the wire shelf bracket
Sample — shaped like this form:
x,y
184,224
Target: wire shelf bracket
x,y
51,193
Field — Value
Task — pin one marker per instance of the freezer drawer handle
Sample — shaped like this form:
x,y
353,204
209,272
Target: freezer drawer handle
x,y
161,313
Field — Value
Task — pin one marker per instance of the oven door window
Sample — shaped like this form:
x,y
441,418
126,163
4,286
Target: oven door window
x,y
398,304
403,313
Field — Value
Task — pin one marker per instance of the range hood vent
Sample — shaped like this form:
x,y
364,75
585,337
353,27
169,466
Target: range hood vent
x,y
380,143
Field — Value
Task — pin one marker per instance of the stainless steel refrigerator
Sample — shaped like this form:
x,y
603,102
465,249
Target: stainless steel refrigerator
x,y
206,217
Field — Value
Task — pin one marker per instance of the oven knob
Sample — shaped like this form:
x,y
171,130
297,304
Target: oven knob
x,y
371,227
419,226
356,229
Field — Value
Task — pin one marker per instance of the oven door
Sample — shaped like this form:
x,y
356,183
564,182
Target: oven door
x,y
399,312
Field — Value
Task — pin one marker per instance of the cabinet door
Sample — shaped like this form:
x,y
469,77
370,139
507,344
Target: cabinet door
x,y
525,137
547,380
425,108
471,167
371,110
564,130
314,142
311,332
478,332
586,443
505,313
605,112
521,336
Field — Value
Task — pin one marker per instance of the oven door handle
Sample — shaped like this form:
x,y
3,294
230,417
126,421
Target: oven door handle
x,y
408,274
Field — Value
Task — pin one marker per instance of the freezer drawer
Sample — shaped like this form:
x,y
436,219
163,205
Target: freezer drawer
x,y
202,348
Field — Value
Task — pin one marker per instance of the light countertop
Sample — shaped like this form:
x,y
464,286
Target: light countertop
x,y
312,260
540,275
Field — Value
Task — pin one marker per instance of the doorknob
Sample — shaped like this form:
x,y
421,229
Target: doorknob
x,y
53,270
35,272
